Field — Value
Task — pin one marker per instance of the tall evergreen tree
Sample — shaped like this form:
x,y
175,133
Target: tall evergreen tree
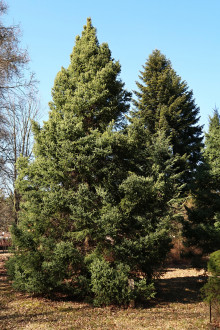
x,y
212,145
62,196
96,200
202,229
164,102
89,88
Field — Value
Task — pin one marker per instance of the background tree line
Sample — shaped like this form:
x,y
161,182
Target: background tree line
x,y
99,202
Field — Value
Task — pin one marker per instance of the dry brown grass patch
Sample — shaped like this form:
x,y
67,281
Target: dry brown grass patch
x,y
177,306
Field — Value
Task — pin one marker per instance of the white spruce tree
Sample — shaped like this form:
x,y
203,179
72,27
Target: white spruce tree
x,y
164,102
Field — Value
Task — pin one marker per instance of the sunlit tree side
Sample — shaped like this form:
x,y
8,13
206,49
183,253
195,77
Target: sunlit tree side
x,y
164,102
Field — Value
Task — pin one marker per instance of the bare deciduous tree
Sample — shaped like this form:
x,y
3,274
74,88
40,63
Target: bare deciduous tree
x,y
12,57
18,106
6,214
12,62
20,112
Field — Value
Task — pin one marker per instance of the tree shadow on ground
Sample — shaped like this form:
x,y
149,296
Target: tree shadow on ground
x,y
180,289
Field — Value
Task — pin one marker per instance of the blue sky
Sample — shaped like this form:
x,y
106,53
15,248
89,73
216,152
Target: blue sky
x,y
187,32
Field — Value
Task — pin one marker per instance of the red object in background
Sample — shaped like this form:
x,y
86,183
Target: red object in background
x,y
5,240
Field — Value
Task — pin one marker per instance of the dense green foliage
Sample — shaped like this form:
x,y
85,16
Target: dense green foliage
x,y
114,286
98,198
212,144
214,263
164,102
203,228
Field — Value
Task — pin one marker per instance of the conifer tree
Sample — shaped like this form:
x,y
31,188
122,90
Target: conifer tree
x,y
212,145
62,195
203,226
96,200
164,102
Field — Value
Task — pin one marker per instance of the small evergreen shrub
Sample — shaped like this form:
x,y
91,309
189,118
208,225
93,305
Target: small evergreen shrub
x,y
111,285
143,291
25,270
36,272
214,263
211,290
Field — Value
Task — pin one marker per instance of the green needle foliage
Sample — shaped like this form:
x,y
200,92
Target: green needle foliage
x,y
164,102
65,187
98,198
212,146
203,228
211,290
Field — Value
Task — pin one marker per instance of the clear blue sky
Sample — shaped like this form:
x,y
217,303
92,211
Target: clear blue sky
x,y
187,32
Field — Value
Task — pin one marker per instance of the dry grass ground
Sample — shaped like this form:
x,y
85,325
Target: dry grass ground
x,y
178,306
